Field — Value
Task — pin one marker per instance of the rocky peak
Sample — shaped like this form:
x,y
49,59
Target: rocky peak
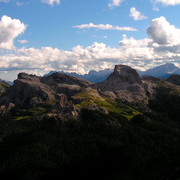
x,y
60,78
125,83
53,91
28,77
125,74
25,90
122,78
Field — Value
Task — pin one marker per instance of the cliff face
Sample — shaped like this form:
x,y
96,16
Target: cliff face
x,y
125,84
25,90
32,91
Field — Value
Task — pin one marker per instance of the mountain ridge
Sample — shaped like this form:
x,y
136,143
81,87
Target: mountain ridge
x,y
60,94
63,127
162,71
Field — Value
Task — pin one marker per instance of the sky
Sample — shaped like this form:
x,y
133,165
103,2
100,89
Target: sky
x,y
38,36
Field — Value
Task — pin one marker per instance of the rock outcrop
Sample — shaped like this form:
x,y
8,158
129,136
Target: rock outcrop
x,y
125,83
32,91
63,83
59,78
25,89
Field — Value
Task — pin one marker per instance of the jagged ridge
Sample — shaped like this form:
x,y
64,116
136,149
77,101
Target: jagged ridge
x,y
64,95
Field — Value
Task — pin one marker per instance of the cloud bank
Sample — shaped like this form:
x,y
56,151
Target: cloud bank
x,y
161,46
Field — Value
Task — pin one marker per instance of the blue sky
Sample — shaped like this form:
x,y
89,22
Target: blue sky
x,y
37,36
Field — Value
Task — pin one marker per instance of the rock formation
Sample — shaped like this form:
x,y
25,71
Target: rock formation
x,y
63,95
32,91
125,83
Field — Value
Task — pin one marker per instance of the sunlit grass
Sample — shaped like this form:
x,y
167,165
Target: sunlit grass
x,y
90,96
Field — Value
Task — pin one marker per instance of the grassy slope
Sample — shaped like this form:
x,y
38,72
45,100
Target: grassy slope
x,y
90,96
3,87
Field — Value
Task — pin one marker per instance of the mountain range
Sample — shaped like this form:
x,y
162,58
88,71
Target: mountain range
x,y
64,127
162,71
65,95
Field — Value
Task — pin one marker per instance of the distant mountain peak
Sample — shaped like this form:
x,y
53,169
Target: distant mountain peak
x,y
123,83
168,66
162,71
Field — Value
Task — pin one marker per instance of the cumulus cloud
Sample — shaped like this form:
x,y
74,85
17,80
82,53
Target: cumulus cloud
x,y
168,2
136,15
160,47
104,27
9,30
163,33
51,2
166,38
115,3
80,59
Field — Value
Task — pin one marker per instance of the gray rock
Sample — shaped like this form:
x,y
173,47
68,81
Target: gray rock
x,y
125,83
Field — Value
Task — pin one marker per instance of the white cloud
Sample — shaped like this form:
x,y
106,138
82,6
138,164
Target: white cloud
x,y
51,2
9,30
23,41
115,3
104,27
163,33
160,47
168,2
136,15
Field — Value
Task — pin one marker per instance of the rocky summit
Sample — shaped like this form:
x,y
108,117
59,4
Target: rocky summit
x,y
124,83
30,91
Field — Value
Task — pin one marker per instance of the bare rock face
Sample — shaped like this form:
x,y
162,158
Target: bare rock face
x,y
125,83
122,78
125,74
31,91
66,107
59,78
25,89
63,83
